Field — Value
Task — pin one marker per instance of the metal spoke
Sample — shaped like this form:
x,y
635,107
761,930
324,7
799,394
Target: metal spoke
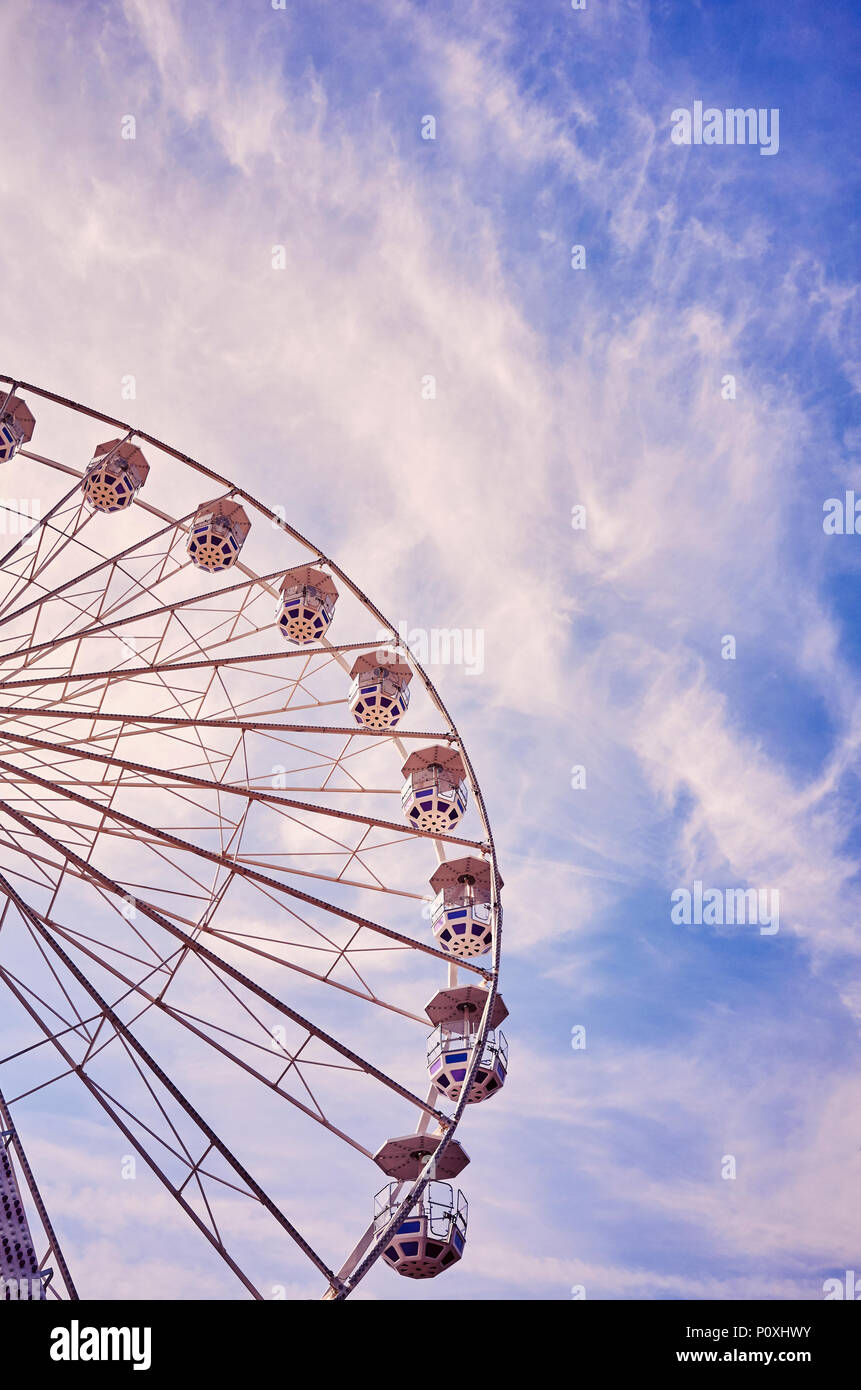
x,y
260,726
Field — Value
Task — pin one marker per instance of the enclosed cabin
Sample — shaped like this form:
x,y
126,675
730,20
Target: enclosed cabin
x,y
450,1054
452,1048
16,426
434,794
217,534
380,692
462,911
114,474
308,598
431,1238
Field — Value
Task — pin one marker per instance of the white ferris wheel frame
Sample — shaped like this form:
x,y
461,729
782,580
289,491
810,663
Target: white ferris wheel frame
x,y
339,1283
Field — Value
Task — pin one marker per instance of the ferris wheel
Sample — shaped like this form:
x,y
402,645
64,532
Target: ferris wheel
x,y
245,866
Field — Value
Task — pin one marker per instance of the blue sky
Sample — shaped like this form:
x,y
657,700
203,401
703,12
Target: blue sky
x,y
555,387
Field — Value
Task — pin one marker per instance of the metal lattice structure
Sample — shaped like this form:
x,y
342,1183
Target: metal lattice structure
x,y
207,884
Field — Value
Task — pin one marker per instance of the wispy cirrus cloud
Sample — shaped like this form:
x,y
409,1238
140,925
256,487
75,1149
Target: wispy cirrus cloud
x,y
407,259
